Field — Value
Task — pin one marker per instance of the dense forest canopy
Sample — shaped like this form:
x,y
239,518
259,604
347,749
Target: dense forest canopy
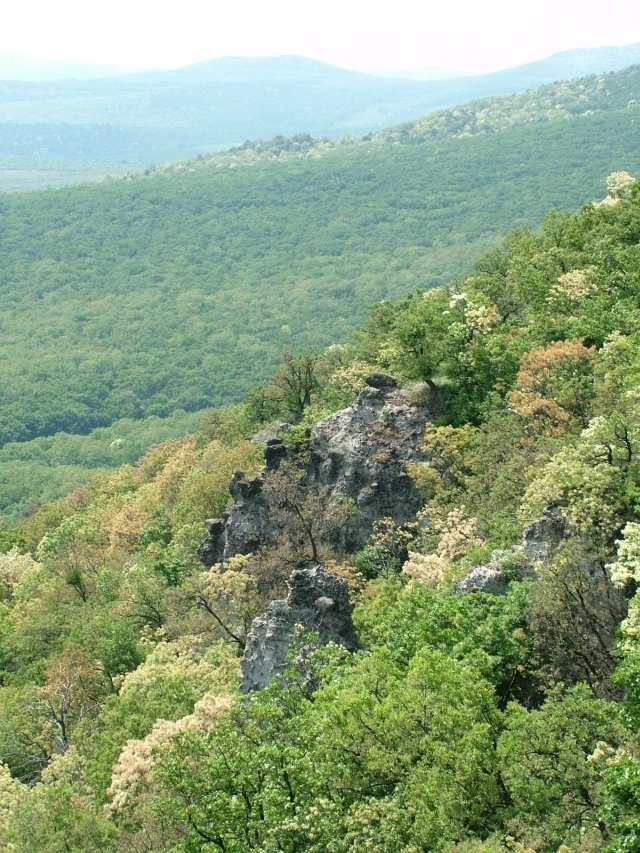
x,y
465,722
179,290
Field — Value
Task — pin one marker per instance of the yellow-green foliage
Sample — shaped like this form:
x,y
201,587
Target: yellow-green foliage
x,y
464,723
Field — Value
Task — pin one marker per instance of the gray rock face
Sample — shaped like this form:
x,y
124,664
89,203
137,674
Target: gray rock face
x,y
539,541
360,453
274,453
211,551
487,578
318,600
243,528
543,536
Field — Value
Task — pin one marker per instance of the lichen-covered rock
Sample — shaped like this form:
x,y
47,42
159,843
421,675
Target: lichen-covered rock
x,y
359,455
243,528
318,600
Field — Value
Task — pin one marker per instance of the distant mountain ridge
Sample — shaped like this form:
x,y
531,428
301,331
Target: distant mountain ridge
x,y
57,132
584,61
549,104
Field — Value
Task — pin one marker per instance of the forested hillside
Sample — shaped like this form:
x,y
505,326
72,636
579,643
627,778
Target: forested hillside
x,y
464,721
58,132
180,290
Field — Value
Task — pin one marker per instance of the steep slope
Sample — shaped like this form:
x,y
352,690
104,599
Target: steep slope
x,y
393,707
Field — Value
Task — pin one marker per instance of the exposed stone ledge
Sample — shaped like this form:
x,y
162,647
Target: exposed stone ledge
x,y
359,454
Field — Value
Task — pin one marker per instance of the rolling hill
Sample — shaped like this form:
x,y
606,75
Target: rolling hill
x,y
61,131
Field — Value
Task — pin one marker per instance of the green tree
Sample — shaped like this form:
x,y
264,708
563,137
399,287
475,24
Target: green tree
x,y
546,762
295,382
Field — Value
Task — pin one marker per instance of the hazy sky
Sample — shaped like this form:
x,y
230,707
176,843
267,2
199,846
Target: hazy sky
x,y
473,35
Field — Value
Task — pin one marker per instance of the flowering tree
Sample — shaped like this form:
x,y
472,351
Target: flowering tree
x,y
554,387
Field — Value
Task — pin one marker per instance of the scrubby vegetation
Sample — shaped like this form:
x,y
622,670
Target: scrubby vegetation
x,y
466,722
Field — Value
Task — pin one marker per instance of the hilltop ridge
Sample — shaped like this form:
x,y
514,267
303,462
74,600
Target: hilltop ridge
x,y
62,131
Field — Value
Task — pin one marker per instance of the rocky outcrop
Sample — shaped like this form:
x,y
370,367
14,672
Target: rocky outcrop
x,y
275,452
318,600
243,528
488,578
544,535
359,454
539,541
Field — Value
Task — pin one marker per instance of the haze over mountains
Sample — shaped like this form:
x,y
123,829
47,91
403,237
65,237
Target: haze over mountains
x,y
15,66
60,131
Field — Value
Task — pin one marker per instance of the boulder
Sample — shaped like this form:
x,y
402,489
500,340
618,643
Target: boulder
x,y
486,578
381,380
274,453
